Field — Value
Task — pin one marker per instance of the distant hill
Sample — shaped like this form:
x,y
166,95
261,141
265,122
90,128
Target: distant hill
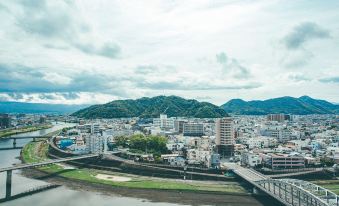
x,y
152,107
38,108
290,105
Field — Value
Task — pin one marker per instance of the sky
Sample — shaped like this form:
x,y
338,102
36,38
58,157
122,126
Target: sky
x,y
92,52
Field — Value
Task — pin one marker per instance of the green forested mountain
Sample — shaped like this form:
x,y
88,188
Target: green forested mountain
x,y
152,107
289,105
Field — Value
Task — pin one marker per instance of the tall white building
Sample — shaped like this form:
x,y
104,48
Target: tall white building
x,y
94,144
163,122
225,136
95,128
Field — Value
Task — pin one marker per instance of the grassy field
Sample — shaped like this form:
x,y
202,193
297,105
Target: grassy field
x,y
332,185
8,132
37,151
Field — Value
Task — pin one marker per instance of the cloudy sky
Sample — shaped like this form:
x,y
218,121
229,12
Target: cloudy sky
x,y
87,51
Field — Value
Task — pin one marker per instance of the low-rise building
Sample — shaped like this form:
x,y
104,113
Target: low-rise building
x,y
261,142
174,159
251,159
284,161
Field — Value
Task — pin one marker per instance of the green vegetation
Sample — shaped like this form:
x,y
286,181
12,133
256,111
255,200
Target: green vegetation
x,y
327,162
121,141
88,175
152,107
37,151
289,105
332,185
142,144
9,132
151,144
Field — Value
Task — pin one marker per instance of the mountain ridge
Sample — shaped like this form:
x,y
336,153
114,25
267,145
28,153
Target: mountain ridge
x,y
289,105
178,106
152,107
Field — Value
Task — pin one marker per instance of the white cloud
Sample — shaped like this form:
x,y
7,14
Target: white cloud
x,y
94,52
56,78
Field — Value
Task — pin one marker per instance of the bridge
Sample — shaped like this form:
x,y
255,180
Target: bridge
x,y
23,137
11,148
34,165
316,170
30,192
20,137
289,192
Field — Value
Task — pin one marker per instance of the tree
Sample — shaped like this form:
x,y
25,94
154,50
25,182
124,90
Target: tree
x,y
149,144
121,141
327,162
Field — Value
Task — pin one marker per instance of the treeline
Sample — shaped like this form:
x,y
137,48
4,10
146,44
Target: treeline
x,y
152,107
143,144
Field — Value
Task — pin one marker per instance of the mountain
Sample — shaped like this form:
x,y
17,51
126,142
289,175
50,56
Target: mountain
x,y
152,107
289,105
38,108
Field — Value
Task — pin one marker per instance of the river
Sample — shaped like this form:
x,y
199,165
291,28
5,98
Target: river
x,y
66,196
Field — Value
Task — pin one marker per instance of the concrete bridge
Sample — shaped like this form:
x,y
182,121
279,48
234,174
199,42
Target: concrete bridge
x,y
10,148
34,138
289,192
33,165
29,192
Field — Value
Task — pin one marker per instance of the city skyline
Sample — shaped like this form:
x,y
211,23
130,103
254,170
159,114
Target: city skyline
x,y
87,53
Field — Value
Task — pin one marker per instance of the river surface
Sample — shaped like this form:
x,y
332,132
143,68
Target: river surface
x,y
65,196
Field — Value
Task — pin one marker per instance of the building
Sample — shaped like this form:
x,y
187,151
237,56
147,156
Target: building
x,y
94,144
174,159
95,128
42,120
251,159
5,121
283,161
175,146
163,122
204,142
278,117
261,142
225,136
179,125
282,134
193,129
200,157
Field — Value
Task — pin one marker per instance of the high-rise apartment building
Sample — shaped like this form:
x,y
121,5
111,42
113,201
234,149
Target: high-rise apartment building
x,y
225,136
278,117
94,144
5,121
193,129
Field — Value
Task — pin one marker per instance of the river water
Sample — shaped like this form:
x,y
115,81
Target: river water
x,y
65,196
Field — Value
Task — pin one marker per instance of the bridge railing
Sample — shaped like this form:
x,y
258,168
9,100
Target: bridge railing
x,y
325,194
297,192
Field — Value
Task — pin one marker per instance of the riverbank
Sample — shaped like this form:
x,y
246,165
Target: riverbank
x,y
332,185
14,131
37,151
